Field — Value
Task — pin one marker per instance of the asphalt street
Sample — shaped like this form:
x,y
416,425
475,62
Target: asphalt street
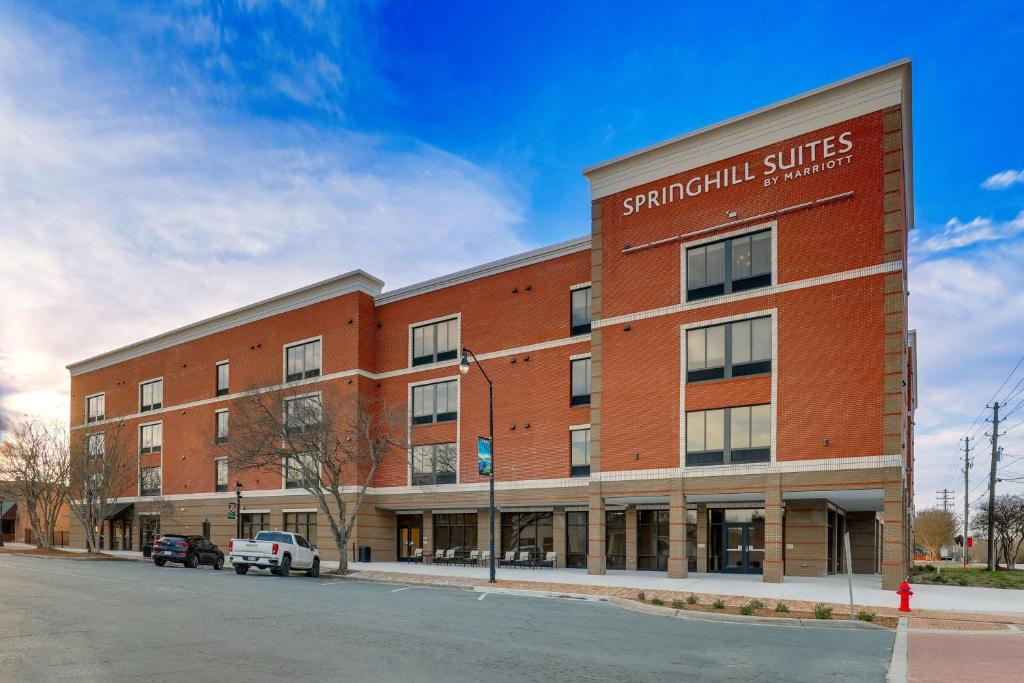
x,y
110,621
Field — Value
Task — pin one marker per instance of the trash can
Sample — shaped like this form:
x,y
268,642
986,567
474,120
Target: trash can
x,y
364,553
147,550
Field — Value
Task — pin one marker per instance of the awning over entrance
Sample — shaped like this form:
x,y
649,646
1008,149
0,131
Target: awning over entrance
x,y
121,511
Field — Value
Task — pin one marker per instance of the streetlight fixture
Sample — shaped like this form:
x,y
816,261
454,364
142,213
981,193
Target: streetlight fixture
x,y
464,369
238,509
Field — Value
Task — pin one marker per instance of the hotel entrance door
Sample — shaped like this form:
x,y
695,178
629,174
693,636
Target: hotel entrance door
x,y
410,536
744,548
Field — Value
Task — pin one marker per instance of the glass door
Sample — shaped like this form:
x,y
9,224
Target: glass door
x,y
755,548
735,542
410,535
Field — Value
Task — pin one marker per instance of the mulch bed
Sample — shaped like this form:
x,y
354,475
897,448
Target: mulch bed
x,y
880,620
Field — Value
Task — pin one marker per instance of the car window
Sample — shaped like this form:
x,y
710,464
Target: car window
x,y
273,536
301,541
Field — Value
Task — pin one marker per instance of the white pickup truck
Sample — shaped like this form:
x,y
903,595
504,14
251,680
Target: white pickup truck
x,y
278,551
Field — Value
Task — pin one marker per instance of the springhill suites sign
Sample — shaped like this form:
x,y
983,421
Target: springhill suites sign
x,y
816,156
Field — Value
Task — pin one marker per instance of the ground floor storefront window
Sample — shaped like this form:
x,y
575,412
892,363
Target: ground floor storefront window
x,y
527,531
301,523
254,522
455,531
652,539
615,539
576,539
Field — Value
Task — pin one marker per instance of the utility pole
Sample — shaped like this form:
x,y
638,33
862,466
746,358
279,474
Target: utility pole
x,y
992,489
967,488
945,498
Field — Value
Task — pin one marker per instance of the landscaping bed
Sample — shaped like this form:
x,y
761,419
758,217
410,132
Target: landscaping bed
x,y
978,577
55,552
777,609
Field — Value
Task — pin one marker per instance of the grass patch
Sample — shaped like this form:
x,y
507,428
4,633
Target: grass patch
x,y
972,576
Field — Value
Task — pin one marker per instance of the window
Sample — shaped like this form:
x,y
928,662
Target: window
x,y
149,481
253,523
95,446
221,474
302,361
151,438
222,378
151,395
580,382
435,342
730,350
580,310
94,407
302,523
455,531
527,531
301,414
732,265
576,531
615,539
652,539
301,471
433,464
580,443
222,426
729,435
435,402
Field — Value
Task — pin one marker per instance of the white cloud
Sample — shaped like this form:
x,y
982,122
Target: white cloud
x,y
119,221
956,234
1003,180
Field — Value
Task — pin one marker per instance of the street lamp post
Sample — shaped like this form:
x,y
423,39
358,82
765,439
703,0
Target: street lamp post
x,y
464,368
238,509
1,522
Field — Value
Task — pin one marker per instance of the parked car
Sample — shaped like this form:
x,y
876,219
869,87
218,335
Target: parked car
x,y
190,551
278,551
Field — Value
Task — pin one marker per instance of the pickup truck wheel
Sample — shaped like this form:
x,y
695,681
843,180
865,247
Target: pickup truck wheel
x,y
314,571
218,564
286,566
241,569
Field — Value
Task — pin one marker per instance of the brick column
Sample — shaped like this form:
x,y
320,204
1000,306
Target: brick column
x,y
596,555
483,531
559,531
894,565
631,538
677,568
702,537
773,534
428,533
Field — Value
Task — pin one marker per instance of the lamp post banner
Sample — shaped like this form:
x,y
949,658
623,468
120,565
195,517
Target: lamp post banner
x,y
483,455
232,510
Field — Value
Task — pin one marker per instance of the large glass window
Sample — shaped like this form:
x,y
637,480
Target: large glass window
x,y
652,539
222,378
732,265
221,474
580,382
580,443
151,395
615,539
435,342
301,523
580,313
576,539
729,435
94,408
302,361
254,522
149,481
151,438
301,414
301,471
435,402
434,464
729,350
527,531
455,531
95,445
222,426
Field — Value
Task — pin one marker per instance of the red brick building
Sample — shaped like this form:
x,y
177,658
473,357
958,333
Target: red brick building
x,y
719,377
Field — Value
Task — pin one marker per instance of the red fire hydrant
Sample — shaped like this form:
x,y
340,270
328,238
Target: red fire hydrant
x,y
905,593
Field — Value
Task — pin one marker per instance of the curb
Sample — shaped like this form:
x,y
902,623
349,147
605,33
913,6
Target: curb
x,y
788,622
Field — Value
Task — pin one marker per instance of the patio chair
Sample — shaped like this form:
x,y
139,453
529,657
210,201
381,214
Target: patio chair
x,y
449,556
439,557
509,559
485,557
524,559
548,561
474,557
417,555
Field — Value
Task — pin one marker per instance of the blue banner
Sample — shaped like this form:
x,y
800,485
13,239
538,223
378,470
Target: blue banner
x,y
483,456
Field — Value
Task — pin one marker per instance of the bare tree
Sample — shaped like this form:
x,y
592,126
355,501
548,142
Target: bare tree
x,y
1008,524
327,444
934,528
102,468
33,459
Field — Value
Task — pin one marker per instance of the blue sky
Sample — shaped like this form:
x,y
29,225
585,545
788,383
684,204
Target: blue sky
x,y
160,162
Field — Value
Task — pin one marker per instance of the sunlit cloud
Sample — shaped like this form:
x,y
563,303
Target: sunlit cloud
x,y
1003,180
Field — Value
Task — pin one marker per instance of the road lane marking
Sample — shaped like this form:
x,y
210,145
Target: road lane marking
x,y
483,595
401,589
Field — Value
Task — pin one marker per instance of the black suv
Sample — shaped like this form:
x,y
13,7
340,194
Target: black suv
x,y
190,551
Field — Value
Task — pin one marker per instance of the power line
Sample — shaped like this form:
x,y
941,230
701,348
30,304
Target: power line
x,y
945,498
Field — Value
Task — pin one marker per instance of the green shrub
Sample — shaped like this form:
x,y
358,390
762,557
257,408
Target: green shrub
x,y
927,567
822,611
756,604
678,604
864,615
657,601
939,578
691,599
781,607
746,608
961,580
718,604
641,596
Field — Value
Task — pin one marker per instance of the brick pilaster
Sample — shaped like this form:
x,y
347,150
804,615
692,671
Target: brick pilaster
x,y
773,534
596,558
702,537
894,561
559,531
631,538
677,565
483,531
428,532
